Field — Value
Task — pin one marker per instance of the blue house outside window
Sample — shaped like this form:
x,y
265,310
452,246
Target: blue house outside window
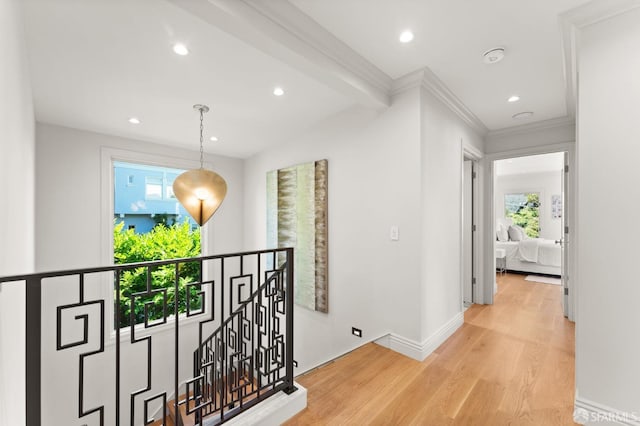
x,y
143,197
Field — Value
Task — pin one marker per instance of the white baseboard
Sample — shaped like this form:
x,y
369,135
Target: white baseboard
x,y
588,412
417,350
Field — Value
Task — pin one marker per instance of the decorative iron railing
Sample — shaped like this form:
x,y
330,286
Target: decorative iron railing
x,y
237,320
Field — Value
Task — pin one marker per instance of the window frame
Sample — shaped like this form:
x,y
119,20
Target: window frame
x,y
108,157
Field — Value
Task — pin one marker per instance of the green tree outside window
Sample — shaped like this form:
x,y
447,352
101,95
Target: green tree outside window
x,y
524,210
161,243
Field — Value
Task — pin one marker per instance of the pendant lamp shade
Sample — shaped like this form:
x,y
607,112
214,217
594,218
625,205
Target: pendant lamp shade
x,y
200,191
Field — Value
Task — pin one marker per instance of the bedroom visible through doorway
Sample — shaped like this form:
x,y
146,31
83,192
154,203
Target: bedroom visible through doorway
x,y
529,219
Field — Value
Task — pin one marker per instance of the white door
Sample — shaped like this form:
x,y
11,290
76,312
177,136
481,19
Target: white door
x,y
467,233
564,241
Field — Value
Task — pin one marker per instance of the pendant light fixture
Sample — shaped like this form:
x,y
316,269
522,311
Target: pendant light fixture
x,y
200,191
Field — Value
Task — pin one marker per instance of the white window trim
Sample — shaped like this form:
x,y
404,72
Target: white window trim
x,y
108,157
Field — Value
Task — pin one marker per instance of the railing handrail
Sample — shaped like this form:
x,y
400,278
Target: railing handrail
x,y
121,266
283,381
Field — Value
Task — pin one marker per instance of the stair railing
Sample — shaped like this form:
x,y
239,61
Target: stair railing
x,y
242,336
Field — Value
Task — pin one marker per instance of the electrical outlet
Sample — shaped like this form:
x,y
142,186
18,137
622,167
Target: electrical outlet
x,y
356,332
295,363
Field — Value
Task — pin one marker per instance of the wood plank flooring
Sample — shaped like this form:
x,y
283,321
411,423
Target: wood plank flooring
x,y
511,363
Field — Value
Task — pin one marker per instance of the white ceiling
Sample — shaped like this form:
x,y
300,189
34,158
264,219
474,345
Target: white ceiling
x,y
530,164
450,38
95,63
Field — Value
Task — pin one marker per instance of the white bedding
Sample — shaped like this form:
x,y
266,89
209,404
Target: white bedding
x,y
529,254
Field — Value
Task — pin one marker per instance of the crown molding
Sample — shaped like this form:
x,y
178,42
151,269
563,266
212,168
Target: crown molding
x,y
426,79
574,20
537,126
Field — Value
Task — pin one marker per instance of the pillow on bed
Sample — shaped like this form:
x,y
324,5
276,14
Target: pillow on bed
x,y
516,233
501,233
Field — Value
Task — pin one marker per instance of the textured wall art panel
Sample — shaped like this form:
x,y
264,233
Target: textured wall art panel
x,y
297,217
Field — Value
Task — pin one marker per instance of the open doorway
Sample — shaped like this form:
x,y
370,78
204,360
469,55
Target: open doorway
x,y
530,207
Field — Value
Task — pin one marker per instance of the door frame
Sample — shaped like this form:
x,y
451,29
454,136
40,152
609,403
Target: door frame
x,y
469,152
489,260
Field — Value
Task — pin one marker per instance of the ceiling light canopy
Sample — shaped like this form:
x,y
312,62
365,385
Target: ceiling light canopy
x,y
514,98
200,191
134,120
278,91
180,49
406,36
493,56
522,115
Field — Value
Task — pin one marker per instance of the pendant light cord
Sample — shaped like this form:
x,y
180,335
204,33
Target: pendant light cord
x,y
201,131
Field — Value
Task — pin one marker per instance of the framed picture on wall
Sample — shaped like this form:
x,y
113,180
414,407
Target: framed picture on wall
x,y
556,206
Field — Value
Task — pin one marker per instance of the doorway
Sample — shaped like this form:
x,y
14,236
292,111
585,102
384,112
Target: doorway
x,y
530,212
468,225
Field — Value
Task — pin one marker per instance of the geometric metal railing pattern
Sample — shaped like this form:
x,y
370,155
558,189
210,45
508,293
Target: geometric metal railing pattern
x,y
243,350
243,361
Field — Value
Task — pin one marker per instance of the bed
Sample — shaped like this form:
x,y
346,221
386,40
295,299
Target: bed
x,y
532,255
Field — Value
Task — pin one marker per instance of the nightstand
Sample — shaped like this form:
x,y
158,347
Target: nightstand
x,y
501,260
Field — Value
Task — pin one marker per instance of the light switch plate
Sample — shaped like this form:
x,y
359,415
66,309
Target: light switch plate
x,y
394,233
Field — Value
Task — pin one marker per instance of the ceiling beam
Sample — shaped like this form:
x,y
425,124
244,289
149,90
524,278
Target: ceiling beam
x,y
284,32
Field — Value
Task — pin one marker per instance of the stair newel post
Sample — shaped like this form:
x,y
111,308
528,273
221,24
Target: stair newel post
x,y
290,388
33,295
176,337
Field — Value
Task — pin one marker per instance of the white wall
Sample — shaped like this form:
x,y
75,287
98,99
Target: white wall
x,y
608,343
69,196
441,138
17,209
69,235
545,184
374,183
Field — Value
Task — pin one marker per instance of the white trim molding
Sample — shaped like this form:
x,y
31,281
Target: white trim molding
x,y
276,410
419,351
538,126
426,79
587,412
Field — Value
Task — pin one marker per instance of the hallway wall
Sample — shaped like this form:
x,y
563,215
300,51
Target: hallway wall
x,y
374,183
608,347
17,148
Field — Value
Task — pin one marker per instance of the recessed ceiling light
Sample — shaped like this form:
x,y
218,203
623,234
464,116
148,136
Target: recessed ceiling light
x,y
406,36
514,98
213,139
180,49
278,91
134,120
521,115
494,55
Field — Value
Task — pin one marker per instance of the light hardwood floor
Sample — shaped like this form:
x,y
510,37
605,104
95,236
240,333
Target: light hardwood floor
x,y
511,363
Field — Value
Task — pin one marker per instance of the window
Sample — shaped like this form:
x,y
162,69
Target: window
x,y
153,188
149,224
524,209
